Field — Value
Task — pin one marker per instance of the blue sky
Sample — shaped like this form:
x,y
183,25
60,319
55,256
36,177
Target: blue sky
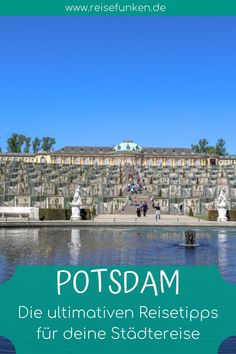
x,y
161,81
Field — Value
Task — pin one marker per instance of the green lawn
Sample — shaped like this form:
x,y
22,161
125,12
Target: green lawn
x,y
202,217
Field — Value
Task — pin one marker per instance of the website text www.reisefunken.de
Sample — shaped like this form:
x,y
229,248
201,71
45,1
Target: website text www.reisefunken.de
x,y
131,8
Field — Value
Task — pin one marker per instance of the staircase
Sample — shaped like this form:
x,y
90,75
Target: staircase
x,y
130,171
136,200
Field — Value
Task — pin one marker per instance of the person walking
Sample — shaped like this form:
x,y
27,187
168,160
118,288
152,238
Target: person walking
x,y
130,200
158,211
145,208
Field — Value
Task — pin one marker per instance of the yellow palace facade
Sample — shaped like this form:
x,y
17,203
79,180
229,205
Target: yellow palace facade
x,y
125,153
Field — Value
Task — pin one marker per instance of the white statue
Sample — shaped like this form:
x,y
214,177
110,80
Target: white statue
x,y
75,205
222,204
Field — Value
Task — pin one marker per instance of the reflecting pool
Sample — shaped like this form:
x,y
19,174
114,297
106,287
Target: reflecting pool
x,y
117,246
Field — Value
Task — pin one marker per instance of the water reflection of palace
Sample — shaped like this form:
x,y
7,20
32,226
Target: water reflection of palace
x,y
104,247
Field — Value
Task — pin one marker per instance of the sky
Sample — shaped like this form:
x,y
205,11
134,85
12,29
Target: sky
x,y
160,81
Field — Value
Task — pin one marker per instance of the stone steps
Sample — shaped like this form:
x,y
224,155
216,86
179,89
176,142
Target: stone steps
x,y
131,210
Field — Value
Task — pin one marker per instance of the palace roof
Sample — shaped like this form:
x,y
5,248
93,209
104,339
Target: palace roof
x,y
134,149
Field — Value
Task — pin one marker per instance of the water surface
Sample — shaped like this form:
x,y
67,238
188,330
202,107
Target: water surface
x,y
117,246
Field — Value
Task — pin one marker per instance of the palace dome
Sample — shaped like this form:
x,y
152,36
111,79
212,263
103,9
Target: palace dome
x,y
128,145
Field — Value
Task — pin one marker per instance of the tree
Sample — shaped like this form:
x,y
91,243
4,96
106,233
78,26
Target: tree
x,y
36,144
211,150
220,147
15,142
47,143
27,142
203,145
195,147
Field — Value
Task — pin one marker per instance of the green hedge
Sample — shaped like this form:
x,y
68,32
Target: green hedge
x,y
212,215
54,214
232,215
62,214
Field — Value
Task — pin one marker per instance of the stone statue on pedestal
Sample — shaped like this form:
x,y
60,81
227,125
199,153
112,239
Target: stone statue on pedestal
x,y
222,204
75,205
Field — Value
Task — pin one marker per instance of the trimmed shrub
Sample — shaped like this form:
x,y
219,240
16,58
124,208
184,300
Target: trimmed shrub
x,y
54,214
62,214
232,215
190,213
94,213
212,215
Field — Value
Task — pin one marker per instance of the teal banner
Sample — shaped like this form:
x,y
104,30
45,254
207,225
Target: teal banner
x,y
136,310
117,8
